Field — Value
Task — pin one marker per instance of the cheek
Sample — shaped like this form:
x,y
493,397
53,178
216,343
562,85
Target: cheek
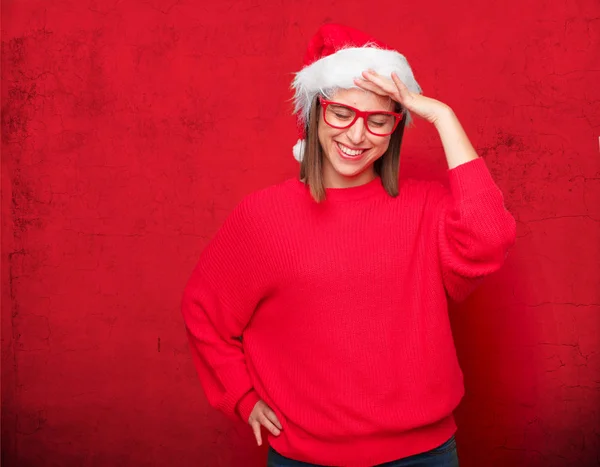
x,y
380,144
326,134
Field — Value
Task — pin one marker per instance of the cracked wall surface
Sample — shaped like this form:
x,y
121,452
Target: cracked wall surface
x,y
130,129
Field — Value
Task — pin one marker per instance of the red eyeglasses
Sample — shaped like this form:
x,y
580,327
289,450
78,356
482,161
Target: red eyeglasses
x,y
341,116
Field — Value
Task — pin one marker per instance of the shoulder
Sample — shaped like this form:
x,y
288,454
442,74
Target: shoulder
x,y
265,199
266,202
423,191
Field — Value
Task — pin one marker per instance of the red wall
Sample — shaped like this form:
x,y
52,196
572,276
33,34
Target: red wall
x,y
130,129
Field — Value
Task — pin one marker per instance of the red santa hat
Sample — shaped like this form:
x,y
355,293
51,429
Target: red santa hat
x,y
337,55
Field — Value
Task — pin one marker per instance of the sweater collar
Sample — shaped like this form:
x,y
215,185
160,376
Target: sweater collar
x,y
335,195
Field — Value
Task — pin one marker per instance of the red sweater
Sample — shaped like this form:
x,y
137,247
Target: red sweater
x,y
335,314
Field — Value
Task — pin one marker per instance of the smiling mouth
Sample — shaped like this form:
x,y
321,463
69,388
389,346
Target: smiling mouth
x,y
350,152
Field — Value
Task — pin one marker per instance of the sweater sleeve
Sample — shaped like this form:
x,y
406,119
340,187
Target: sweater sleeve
x,y
218,302
475,229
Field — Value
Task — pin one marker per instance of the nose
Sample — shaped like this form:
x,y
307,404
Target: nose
x,y
357,132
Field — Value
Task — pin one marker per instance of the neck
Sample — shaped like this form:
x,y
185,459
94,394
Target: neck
x,y
333,179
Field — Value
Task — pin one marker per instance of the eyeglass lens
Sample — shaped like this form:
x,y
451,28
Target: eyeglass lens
x,y
342,117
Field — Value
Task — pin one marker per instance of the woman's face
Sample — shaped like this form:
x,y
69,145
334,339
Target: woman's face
x,y
349,154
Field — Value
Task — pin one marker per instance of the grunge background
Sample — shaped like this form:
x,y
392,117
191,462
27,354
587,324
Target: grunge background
x,y
130,129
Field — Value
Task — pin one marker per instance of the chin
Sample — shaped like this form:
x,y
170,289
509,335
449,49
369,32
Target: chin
x,y
352,167
350,171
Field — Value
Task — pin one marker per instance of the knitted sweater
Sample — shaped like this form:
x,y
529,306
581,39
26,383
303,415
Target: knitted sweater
x,y
335,313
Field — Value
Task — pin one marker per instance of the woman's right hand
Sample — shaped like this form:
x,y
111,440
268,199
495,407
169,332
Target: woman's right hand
x,y
263,415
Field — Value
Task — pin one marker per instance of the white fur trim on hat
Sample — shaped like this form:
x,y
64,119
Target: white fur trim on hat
x,y
338,71
298,150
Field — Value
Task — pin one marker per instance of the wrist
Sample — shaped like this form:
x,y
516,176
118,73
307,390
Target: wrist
x,y
444,115
246,405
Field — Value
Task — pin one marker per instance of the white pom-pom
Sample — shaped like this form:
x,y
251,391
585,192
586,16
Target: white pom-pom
x,y
298,150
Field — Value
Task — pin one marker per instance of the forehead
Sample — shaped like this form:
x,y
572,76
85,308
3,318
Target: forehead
x,y
361,99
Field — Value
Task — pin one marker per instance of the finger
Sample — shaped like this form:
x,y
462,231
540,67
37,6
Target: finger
x,y
264,421
364,84
402,89
377,90
273,418
256,429
384,83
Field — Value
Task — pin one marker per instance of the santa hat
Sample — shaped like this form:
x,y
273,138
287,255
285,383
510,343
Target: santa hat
x,y
337,55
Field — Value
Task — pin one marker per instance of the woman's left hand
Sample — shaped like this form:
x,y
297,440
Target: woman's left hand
x,y
425,107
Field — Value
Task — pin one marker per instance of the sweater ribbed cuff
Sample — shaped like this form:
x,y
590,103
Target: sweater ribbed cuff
x,y
246,404
470,179
237,382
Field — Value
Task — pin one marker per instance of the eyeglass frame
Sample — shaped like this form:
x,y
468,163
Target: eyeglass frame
x,y
364,114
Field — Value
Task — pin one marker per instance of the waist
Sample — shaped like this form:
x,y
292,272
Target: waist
x,y
364,451
338,402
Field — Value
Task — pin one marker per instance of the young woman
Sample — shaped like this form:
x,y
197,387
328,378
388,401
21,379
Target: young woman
x,y
319,310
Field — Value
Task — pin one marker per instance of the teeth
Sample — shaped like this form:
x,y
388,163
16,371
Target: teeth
x,y
350,152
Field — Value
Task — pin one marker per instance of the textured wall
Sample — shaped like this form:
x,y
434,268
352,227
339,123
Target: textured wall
x,y
131,128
